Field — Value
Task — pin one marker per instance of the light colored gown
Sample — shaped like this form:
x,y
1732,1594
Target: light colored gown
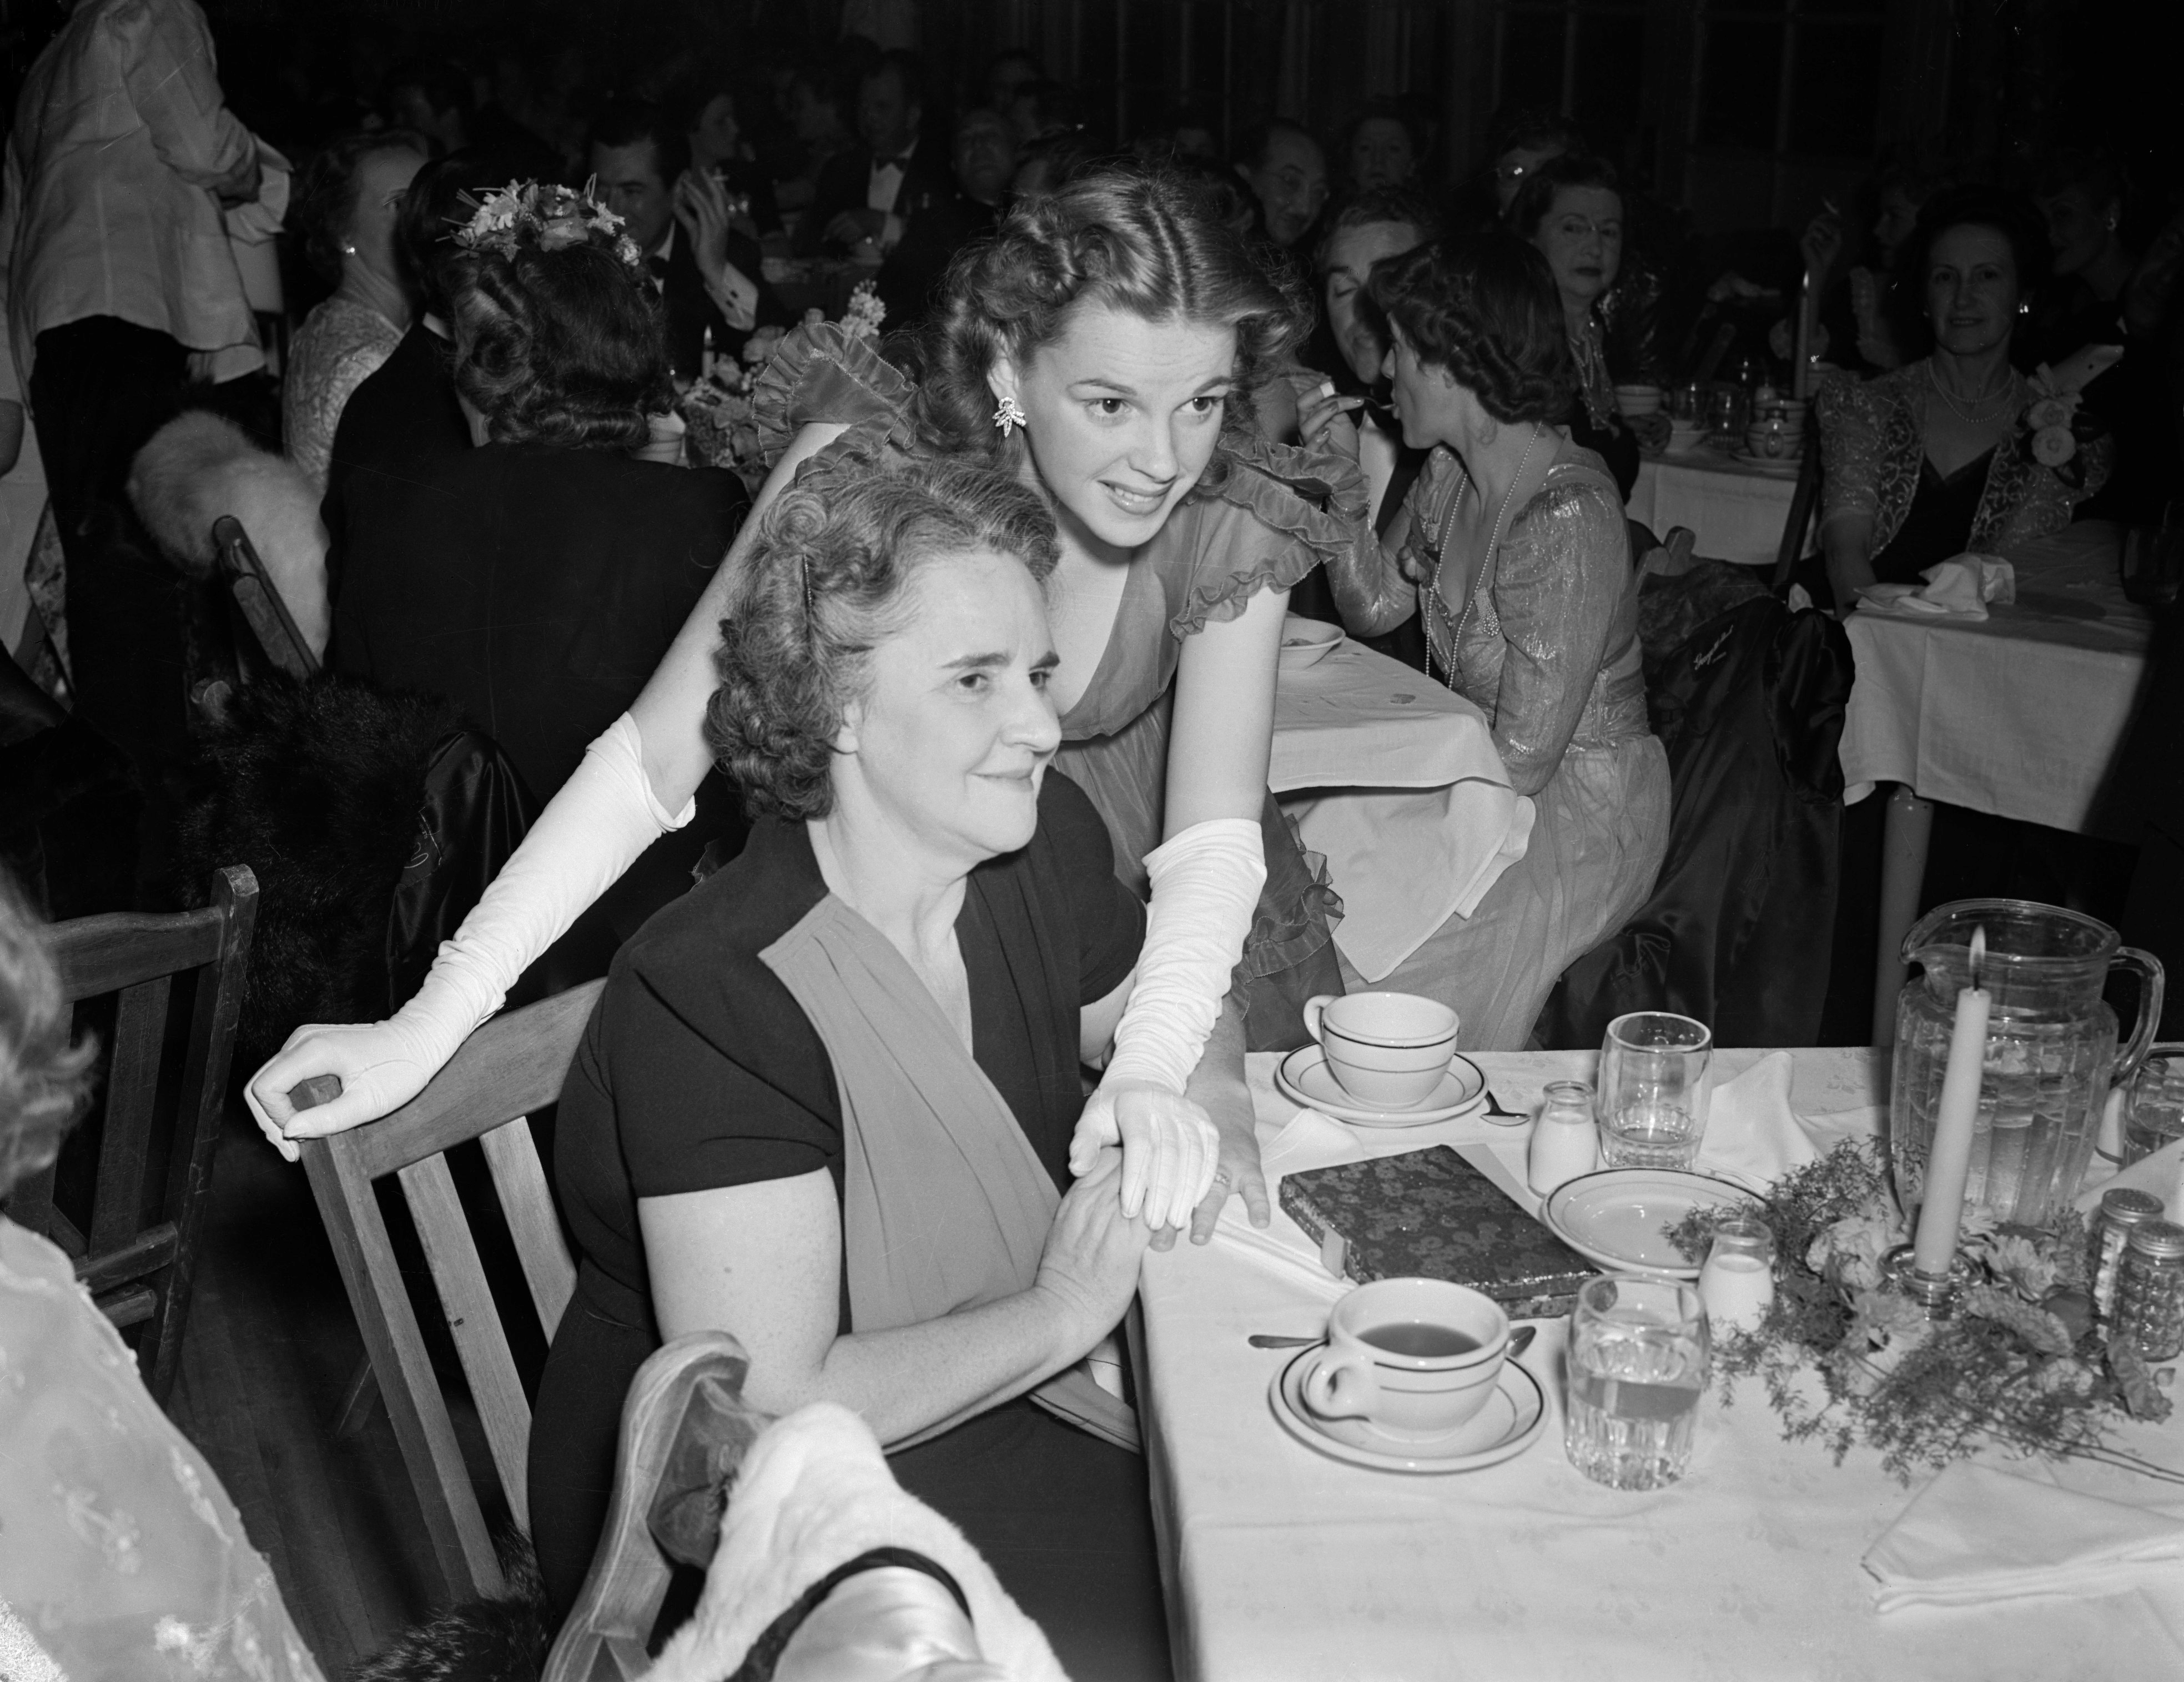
x,y
339,346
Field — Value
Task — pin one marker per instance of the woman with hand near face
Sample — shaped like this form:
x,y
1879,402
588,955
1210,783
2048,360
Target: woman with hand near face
x,y
1100,348
1513,550
1923,463
1571,209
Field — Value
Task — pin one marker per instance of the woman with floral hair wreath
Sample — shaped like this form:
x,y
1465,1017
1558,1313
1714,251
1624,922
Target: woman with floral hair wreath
x,y
1103,347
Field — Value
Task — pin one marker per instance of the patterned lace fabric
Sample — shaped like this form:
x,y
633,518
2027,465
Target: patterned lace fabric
x,y
339,346
1872,440
120,1554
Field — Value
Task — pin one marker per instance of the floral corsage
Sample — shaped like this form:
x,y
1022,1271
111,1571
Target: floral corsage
x,y
550,217
2055,424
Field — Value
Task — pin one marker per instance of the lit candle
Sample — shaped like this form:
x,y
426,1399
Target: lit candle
x,y
1949,1158
1801,375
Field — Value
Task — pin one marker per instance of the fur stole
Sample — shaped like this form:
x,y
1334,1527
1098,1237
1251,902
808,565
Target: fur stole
x,y
317,787
502,1640
815,1492
199,466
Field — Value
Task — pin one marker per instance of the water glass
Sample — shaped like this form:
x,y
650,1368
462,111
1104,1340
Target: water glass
x,y
2153,1104
1653,1090
1637,1364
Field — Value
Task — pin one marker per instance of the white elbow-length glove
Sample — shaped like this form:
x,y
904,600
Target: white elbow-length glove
x,y
1206,886
592,831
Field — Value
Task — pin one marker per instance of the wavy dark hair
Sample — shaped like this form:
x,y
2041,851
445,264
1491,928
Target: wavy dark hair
x,y
439,201
44,1080
562,348
2010,214
1386,206
1483,307
823,585
326,191
1135,237
1535,199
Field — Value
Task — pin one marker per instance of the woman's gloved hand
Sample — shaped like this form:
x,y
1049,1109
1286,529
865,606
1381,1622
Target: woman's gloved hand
x,y
1170,1147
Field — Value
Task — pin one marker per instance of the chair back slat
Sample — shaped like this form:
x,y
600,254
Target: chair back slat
x,y
528,1201
256,594
132,1086
474,1322
454,1522
508,1069
141,1248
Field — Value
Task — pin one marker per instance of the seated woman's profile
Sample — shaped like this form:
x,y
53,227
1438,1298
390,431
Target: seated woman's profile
x,y
827,1099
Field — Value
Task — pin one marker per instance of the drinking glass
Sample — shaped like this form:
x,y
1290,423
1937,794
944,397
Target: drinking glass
x,y
2154,1107
1653,1090
1637,1363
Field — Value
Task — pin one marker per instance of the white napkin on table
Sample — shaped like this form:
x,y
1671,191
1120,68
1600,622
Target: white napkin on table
x,y
1309,1140
2159,1174
1976,1535
1753,1136
1958,589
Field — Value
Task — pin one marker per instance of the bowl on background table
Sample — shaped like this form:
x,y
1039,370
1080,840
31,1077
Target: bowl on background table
x,y
1306,642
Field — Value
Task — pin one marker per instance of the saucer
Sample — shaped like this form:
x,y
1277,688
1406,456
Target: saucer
x,y
1510,1422
1304,1076
1779,466
1613,1218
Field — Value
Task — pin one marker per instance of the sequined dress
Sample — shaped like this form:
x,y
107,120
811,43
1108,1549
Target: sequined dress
x,y
1262,517
120,1554
1544,642
339,346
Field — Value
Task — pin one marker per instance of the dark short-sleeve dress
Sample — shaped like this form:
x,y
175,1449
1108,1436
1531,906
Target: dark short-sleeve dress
x,y
699,1071
1263,516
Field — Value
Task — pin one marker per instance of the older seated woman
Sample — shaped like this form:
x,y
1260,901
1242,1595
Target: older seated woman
x,y
345,204
1928,462
827,1099
1514,552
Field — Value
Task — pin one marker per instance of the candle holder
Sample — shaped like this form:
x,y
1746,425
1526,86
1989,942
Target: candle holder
x,y
1936,1299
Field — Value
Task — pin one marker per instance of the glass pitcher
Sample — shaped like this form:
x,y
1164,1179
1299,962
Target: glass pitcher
x,y
2050,1049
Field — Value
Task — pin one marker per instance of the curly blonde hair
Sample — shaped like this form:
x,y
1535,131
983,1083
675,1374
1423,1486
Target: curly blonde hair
x,y
44,1080
824,586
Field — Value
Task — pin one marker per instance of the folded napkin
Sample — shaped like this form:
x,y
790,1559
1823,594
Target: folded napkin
x,y
1753,1136
1958,588
1976,1535
1310,1140
2159,1174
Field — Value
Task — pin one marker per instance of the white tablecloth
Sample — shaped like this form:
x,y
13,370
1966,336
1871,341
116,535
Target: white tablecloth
x,y
1396,778
2020,714
1284,1566
1736,512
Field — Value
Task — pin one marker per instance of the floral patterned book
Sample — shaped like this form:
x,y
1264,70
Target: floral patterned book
x,y
1430,1214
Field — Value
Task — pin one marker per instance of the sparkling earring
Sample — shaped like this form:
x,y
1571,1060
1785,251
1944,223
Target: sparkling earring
x,y
349,251
1008,417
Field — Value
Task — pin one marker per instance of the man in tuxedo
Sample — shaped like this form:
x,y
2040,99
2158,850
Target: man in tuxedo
x,y
706,273
985,158
866,196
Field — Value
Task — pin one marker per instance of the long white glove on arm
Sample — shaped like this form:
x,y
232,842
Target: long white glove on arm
x,y
1206,886
592,831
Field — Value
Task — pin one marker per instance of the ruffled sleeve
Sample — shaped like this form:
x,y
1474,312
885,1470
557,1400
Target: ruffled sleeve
x,y
824,375
1264,515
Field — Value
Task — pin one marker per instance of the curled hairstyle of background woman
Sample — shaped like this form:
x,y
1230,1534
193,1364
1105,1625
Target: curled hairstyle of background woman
x,y
1484,309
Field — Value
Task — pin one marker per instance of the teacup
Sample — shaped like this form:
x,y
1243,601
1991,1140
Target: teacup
x,y
1386,1049
1413,1358
1639,399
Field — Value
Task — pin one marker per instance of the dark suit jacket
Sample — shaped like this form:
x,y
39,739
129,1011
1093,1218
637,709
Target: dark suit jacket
x,y
912,273
403,414
691,311
843,178
535,587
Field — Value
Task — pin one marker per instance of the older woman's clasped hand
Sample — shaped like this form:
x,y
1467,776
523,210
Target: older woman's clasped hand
x,y
1178,1164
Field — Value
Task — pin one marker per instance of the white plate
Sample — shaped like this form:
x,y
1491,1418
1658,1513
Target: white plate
x,y
1304,1076
1306,642
1510,1422
1614,1217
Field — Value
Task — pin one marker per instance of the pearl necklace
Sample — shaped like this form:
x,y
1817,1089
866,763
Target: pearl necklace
x,y
2004,397
1493,544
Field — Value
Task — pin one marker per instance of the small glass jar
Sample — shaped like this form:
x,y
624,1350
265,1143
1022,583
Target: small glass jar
x,y
1565,1141
2149,1300
2120,1210
1737,1283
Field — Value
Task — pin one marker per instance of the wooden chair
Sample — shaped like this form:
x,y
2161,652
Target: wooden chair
x,y
508,1068
139,1253
1804,503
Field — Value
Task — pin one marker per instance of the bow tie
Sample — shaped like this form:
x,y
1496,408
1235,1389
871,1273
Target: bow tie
x,y
898,162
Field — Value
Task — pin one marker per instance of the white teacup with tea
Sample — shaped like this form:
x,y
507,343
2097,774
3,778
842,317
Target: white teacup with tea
x,y
1413,1358
1386,1049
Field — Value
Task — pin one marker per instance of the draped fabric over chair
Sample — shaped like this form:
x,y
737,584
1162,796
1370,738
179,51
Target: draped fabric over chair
x,y
1748,698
